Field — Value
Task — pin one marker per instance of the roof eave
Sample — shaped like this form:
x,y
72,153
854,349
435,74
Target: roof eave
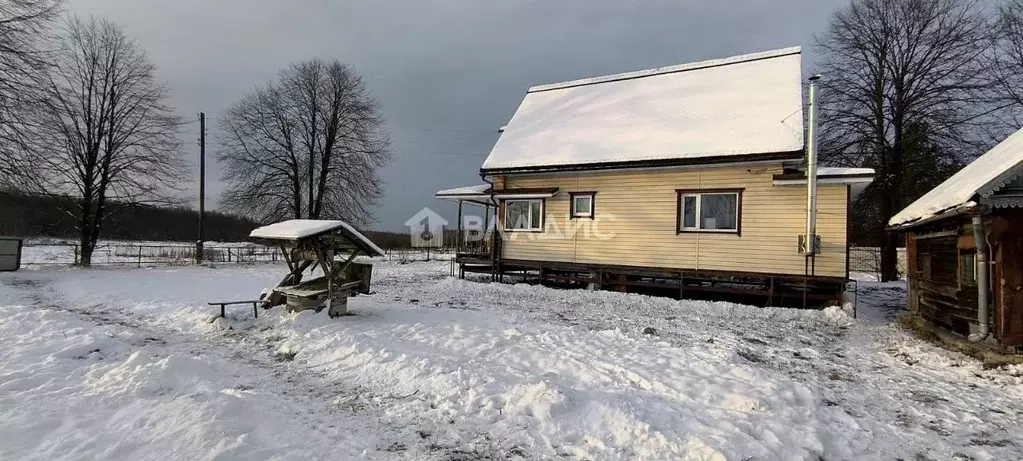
x,y
657,163
953,212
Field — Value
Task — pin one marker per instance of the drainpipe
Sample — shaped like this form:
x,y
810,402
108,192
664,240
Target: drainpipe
x,y
983,285
811,171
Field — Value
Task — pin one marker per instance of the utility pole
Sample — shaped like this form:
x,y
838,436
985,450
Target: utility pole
x,y
202,186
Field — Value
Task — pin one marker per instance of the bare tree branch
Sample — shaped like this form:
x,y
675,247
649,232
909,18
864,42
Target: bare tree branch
x,y
907,92
24,31
104,133
307,145
1008,60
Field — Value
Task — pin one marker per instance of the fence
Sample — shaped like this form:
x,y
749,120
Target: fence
x,y
419,254
144,254
182,254
868,260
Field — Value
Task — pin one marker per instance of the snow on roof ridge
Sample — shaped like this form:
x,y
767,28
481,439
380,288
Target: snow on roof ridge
x,y
777,53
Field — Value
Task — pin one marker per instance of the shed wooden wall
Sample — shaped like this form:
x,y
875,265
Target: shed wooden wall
x,y
934,270
932,267
638,210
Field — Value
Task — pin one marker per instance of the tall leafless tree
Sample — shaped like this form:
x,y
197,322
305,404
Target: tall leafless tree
x,y
307,145
24,28
1008,60
905,92
105,135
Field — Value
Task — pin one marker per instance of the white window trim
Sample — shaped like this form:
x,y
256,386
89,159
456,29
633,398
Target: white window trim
x,y
533,227
584,214
699,203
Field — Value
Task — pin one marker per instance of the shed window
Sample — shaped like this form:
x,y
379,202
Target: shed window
x,y
523,215
709,211
968,268
582,204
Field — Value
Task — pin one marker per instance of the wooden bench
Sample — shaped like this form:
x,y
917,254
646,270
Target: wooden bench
x,y
223,305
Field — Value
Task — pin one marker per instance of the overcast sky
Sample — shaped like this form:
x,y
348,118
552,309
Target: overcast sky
x,y
447,73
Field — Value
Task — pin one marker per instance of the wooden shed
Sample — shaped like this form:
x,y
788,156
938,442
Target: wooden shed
x,y
684,178
964,248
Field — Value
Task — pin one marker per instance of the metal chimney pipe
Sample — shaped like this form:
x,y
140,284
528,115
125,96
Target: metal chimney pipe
x,y
811,171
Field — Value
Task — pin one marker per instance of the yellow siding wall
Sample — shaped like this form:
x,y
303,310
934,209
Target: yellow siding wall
x,y
636,214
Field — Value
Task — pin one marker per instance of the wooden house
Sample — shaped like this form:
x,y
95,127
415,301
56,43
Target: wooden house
x,y
682,178
964,248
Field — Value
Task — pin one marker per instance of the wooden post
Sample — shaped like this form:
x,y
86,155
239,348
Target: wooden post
x,y
202,186
458,243
228,254
486,219
140,256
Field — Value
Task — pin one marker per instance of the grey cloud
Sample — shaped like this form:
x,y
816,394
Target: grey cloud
x,y
447,73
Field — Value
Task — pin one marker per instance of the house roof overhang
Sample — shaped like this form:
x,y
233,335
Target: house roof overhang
x,y
656,163
489,197
857,179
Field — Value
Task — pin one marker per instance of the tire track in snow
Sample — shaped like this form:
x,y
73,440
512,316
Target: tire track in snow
x,y
342,408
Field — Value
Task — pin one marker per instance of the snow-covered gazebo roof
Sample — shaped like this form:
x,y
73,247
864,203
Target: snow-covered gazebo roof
x,y
978,182
298,229
713,111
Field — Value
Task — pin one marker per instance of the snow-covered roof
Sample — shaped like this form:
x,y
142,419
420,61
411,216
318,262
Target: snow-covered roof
x,y
297,229
467,190
841,171
743,105
856,178
991,170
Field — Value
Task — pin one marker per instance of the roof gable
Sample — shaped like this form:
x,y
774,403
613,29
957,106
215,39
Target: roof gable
x,y
739,106
984,176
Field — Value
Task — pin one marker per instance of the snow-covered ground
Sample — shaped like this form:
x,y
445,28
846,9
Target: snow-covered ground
x,y
130,364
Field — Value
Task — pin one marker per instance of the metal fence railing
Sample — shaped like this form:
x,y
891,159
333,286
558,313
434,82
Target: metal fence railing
x,y
419,254
144,254
868,260
150,254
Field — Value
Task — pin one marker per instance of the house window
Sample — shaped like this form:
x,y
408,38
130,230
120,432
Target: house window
x,y
523,215
582,204
967,268
710,211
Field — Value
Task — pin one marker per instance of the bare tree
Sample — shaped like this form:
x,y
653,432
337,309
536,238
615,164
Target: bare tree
x,y
906,94
24,30
105,135
1008,59
306,145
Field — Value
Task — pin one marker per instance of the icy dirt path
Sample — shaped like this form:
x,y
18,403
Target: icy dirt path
x,y
432,367
81,380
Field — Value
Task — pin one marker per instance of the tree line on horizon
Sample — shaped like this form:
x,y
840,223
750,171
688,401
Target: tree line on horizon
x,y
43,216
85,120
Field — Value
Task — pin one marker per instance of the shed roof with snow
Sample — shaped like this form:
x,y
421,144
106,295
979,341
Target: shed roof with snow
x,y
980,182
298,229
715,111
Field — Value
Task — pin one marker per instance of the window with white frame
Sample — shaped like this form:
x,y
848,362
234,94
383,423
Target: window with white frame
x,y
582,204
709,211
523,215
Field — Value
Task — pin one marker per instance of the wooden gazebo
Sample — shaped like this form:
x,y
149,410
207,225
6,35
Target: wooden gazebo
x,y
308,244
